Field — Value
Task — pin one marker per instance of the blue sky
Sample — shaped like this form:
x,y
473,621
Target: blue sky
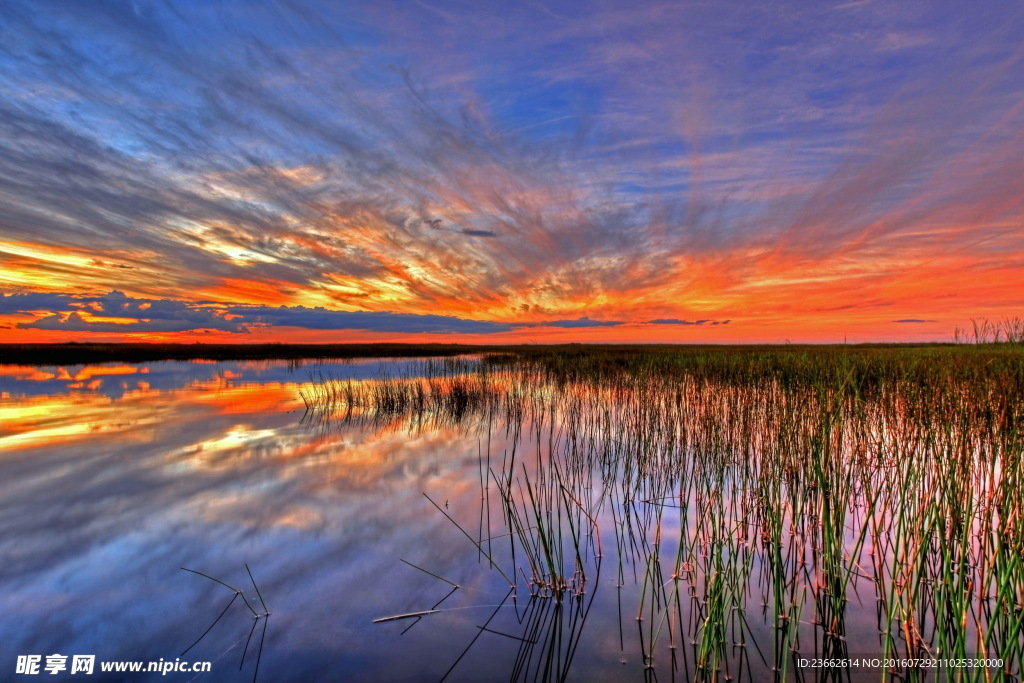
x,y
800,166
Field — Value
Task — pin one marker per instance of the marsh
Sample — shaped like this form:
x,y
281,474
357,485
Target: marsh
x,y
579,514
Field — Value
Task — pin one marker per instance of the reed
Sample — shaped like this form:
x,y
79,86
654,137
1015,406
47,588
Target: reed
x,y
884,481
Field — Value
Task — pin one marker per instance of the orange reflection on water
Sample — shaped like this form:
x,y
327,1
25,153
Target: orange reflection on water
x,y
246,398
90,371
212,428
138,415
29,373
26,373
63,419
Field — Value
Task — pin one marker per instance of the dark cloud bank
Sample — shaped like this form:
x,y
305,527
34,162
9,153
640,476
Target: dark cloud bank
x,y
69,313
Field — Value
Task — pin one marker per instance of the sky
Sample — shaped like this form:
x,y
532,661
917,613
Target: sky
x,y
510,172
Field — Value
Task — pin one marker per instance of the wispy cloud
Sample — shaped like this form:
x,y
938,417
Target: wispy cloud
x,y
577,166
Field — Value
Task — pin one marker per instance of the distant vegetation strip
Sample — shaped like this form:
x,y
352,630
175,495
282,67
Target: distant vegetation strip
x,y
77,353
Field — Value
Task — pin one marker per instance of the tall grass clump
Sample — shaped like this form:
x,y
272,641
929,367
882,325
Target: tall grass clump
x,y
757,500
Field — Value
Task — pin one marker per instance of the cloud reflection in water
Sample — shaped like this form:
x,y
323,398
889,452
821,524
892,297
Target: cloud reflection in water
x,y
106,495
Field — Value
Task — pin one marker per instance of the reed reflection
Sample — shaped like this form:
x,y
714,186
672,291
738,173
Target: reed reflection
x,y
811,507
687,516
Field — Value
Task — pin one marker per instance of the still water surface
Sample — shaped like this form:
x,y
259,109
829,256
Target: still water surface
x,y
114,477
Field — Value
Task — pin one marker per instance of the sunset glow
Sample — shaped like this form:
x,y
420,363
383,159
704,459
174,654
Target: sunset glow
x,y
508,173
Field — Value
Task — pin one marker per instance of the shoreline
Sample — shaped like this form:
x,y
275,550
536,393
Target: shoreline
x,y
76,352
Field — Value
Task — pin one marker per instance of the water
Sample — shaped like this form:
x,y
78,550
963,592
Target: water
x,y
114,477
